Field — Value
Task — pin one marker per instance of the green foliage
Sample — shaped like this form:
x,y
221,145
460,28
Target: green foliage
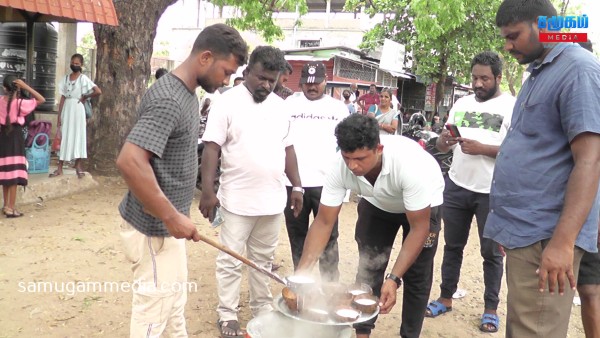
x,y
163,51
257,15
88,41
440,36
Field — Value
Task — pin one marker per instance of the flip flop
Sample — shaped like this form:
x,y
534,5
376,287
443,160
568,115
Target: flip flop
x,y
80,174
55,173
14,213
436,308
232,326
488,319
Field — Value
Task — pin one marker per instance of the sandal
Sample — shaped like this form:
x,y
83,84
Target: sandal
x,y
230,329
79,173
436,308
14,213
489,323
55,173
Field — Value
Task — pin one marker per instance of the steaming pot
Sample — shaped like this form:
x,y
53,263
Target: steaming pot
x,y
276,325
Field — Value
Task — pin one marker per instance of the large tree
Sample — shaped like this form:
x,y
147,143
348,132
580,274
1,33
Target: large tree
x,y
123,65
441,35
123,68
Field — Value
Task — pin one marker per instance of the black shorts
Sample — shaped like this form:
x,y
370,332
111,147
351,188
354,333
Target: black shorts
x,y
589,270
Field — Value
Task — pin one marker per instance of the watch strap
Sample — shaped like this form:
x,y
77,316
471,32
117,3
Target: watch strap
x,y
298,189
395,278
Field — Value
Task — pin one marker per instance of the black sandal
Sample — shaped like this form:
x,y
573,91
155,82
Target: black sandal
x,y
14,213
55,173
230,329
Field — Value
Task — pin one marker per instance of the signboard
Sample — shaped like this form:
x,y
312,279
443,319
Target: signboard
x,y
392,56
310,43
430,97
554,24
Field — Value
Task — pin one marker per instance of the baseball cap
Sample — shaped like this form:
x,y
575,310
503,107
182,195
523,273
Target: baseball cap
x,y
313,72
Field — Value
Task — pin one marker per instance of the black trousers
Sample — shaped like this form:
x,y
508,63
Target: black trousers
x,y
297,228
460,205
375,234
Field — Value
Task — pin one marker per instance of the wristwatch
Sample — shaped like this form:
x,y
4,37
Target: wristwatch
x,y
395,278
298,189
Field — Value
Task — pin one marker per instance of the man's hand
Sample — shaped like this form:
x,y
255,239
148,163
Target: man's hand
x,y
208,202
181,226
471,147
296,202
447,140
556,266
388,296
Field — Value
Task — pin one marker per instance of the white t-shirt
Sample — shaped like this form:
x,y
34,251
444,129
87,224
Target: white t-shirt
x,y
253,137
313,131
486,122
410,179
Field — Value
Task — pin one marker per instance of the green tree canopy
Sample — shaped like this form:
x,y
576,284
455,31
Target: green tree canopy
x,y
441,36
257,15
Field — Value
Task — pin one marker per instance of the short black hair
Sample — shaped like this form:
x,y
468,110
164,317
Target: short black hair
x,y
160,72
488,58
239,78
77,56
269,57
387,90
587,45
357,131
222,41
373,85
515,11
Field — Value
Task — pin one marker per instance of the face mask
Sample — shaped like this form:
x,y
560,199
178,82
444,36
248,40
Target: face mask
x,y
76,69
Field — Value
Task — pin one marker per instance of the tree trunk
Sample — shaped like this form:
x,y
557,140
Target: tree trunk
x,y
441,84
123,69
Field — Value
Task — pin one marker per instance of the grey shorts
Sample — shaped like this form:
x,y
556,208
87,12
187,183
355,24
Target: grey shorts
x,y
589,270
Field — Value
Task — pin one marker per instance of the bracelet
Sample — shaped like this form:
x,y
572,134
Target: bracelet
x,y
298,189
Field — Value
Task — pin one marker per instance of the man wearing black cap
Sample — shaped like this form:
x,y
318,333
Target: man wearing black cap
x,y
313,117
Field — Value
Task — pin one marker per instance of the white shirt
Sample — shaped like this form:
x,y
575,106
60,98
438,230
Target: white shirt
x,y
474,172
253,137
313,130
410,179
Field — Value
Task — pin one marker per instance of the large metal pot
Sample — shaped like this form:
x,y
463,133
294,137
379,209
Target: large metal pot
x,y
276,325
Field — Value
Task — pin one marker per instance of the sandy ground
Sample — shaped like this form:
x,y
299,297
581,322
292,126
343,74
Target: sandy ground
x,y
75,239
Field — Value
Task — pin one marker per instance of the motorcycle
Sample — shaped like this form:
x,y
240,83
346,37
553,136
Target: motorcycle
x,y
415,130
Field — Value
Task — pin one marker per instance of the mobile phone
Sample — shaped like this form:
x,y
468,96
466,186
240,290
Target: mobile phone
x,y
453,129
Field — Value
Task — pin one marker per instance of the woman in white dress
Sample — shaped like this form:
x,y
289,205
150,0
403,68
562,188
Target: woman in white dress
x,y
74,89
385,113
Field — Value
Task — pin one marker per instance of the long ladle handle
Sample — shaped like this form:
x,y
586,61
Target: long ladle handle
x,y
241,258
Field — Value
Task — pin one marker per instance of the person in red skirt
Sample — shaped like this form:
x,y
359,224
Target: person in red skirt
x,y
13,165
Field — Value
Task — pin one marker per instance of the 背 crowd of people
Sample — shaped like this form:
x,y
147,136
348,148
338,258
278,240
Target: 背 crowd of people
x,y
17,104
527,168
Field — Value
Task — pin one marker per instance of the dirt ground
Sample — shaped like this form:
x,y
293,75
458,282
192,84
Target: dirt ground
x,y
76,239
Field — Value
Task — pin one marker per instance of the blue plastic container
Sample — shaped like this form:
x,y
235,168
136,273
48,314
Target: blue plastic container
x,y
38,156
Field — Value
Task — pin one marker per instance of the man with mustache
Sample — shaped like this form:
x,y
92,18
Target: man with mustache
x,y
544,200
314,116
247,125
365,101
483,120
159,163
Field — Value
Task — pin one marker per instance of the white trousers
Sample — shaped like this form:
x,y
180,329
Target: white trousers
x,y
258,236
159,266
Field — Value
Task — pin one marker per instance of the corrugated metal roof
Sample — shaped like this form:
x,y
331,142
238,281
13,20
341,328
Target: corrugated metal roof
x,y
96,11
